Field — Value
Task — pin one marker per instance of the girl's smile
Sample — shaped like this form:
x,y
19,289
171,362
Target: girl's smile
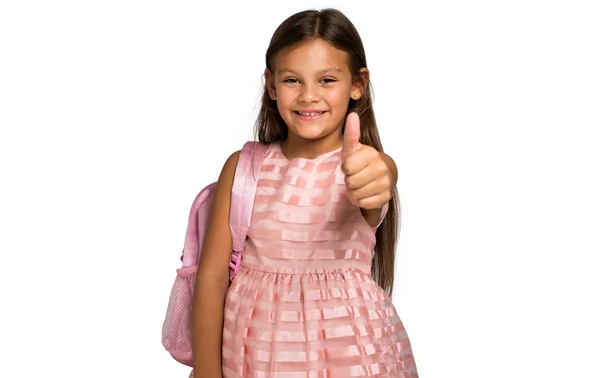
x,y
310,115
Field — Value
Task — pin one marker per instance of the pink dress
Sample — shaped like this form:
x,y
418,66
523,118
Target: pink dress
x,y
303,303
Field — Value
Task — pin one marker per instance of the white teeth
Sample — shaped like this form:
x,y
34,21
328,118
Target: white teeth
x,y
310,114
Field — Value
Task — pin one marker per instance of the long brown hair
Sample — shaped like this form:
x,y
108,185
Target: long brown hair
x,y
334,27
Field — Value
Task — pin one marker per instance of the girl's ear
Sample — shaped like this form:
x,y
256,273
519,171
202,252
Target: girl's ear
x,y
360,84
270,84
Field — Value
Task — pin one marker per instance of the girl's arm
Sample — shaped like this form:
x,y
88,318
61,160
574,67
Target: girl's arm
x,y
213,280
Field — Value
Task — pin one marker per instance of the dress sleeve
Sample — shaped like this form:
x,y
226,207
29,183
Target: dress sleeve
x,y
384,211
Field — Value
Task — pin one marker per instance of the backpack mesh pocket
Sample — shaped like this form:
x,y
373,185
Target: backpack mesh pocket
x,y
177,327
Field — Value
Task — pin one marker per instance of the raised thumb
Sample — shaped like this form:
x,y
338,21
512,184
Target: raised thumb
x,y
351,135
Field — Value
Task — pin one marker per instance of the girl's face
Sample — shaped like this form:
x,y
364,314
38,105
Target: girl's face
x,y
312,84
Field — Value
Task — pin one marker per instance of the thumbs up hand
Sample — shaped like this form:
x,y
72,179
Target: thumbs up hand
x,y
368,177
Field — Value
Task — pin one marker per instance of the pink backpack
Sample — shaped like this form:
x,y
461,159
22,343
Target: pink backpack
x,y
177,326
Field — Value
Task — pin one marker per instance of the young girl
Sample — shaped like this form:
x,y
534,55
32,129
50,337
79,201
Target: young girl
x,y
311,298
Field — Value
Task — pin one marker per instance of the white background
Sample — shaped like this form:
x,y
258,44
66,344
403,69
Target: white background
x,y
114,114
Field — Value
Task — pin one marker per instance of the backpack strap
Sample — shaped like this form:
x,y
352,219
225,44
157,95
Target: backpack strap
x,y
242,198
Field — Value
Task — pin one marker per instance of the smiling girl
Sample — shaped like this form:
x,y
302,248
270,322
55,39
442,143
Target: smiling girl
x,y
312,296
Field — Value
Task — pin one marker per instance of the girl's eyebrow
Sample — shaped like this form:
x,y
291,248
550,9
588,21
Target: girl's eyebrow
x,y
331,69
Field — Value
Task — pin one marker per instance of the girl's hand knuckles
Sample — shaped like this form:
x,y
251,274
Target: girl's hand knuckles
x,y
385,182
344,168
382,168
350,182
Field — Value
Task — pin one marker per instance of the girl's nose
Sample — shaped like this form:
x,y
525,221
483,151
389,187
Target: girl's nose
x,y
309,94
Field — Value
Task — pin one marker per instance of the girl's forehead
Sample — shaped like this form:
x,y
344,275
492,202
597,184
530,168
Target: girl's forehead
x,y
315,53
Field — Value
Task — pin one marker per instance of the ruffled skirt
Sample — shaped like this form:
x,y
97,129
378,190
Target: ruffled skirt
x,y
318,324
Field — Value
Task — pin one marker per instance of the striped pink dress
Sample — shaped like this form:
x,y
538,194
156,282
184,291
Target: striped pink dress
x,y
303,303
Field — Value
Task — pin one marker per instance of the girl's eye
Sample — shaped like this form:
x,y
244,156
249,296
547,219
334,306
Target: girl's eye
x,y
328,80
290,80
